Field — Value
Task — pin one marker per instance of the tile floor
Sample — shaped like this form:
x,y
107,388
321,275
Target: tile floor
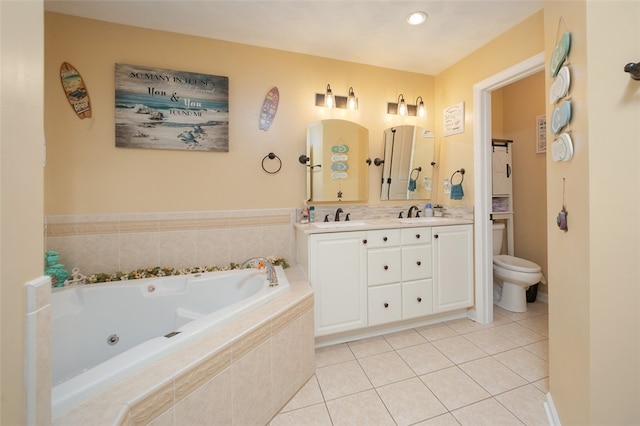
x,y
453,373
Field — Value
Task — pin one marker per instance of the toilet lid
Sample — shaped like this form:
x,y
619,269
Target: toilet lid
x,y
513,263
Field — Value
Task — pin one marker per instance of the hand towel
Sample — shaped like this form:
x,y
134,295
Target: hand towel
x,y
456,192
412,185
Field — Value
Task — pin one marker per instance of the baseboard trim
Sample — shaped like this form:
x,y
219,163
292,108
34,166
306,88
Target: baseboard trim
x,y
550,410
543,297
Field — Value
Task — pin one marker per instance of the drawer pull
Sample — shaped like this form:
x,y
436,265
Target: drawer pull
x,y
419,299
435,236
386,267
364,241
418,263
418,236
386,305
384,239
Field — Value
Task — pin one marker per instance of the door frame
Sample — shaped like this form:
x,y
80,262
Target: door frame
x,y
483,312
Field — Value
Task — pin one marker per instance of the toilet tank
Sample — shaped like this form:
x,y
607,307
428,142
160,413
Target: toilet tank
x,y
498,230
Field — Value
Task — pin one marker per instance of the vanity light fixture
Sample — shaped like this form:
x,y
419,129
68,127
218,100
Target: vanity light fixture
x,y
402,108
422,111
329,100
352,101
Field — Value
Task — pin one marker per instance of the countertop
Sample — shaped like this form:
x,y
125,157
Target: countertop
x,y
372,224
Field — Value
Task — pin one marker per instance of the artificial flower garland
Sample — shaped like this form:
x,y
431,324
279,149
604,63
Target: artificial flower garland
x,y
164,271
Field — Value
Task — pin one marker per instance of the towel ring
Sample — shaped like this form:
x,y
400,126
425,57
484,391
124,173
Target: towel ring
x,y
417,169
272,156
461,171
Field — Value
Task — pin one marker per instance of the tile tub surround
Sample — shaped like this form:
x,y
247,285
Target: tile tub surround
x,y
125,242
243,373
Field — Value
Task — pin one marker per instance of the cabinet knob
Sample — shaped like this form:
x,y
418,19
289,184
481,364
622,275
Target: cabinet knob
x,y
386,305
418,236
384,239
364,241
435,236
386,267
418,263
419,299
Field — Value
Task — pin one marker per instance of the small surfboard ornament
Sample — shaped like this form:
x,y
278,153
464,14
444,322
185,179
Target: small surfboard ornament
x,y
75,89
269,108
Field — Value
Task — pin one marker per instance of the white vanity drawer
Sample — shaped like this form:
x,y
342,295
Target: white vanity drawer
x,y
417,298
385,304
383,238
416,262
384,265
415,236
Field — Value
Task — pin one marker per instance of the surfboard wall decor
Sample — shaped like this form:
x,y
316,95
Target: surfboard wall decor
x,y
76,90
269,108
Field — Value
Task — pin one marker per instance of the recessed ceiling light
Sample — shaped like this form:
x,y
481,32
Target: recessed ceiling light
x,y
416,18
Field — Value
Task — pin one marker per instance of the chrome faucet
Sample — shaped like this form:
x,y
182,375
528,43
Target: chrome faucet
x,y
337,218
411,209
271,270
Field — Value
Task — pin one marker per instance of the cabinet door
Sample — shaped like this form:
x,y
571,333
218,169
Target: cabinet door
x,y
385,304
501,166
337,274
417,298
452,267
416,262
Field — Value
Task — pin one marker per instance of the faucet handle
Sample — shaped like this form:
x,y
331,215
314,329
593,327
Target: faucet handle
x,y
347,217
326,218
400,215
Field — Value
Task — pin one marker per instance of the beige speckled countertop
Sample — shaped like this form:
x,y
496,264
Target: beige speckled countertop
x,y
366,225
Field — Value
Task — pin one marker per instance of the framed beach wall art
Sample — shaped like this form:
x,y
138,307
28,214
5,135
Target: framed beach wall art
x,y
167,109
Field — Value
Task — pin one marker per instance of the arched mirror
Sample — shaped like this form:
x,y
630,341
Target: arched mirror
x,y
408,162
337,151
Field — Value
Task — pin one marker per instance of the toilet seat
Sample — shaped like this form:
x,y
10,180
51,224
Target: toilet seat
x,y
516,264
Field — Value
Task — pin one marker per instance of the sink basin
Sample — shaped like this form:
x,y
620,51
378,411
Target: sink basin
x,y
345,224
425,220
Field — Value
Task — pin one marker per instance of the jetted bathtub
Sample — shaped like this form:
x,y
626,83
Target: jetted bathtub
x,y
101,333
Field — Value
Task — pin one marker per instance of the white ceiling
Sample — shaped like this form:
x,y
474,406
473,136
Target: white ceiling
x,y
362,31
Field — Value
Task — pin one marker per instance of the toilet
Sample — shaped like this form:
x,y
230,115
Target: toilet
x,y
512,276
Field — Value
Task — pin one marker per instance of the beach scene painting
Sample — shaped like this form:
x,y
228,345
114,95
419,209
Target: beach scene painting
x,y
167,109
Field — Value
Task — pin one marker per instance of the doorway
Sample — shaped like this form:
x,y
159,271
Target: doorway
x,y
483,312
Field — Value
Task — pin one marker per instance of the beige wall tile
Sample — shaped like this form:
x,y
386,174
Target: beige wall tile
x,y
252,386
211,404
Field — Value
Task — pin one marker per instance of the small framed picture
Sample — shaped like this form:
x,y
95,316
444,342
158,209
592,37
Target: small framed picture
x,y
541,135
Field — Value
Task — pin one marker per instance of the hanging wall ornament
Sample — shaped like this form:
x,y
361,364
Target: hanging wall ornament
x,y
76,90
269,108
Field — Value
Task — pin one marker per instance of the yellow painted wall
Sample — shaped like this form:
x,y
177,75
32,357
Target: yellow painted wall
x,y
21,197
86,173
523,101
594,332
455,85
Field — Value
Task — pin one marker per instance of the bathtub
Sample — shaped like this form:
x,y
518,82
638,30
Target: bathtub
x,y
102,333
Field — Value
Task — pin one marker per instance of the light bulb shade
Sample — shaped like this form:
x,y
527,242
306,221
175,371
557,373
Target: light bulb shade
x,y
402,105
422,111
352,102
329,100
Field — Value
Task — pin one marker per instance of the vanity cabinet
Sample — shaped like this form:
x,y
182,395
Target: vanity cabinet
x,y
337,274
452,267
365,278
399,274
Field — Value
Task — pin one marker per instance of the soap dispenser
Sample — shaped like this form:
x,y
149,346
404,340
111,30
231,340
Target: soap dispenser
x,y
428,211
